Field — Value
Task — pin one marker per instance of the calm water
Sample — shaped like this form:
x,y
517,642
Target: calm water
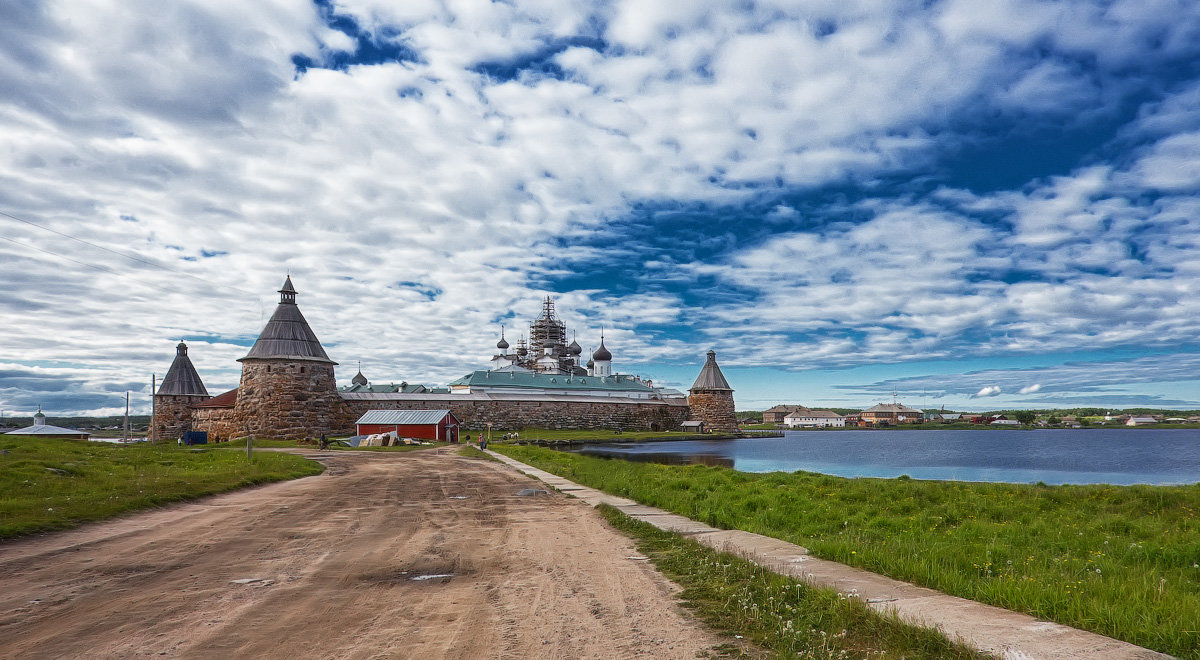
x,y
1067,456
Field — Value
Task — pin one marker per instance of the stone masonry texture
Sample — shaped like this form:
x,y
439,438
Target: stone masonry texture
x,y
715,408
288,399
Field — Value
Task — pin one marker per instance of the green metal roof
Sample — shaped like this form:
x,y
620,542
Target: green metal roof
x,y
521,380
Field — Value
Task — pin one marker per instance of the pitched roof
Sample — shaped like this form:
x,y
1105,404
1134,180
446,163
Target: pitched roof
x,y
785,408
710,377
402,417
48,429
287,335
893,407
181,378
223,400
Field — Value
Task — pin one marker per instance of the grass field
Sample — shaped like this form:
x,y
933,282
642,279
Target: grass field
x,y
779,614
1123,561
50,484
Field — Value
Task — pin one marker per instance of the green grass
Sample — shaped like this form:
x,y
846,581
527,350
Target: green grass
x,y
470,451
1123,561
779,614
50,484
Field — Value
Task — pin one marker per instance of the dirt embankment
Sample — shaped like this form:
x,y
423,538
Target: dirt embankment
x,y
338,566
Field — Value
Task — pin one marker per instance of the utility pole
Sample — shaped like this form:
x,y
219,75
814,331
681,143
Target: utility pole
x,y
153,405
125,431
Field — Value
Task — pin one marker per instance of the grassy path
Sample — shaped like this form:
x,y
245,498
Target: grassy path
x,y
48,484
1120,561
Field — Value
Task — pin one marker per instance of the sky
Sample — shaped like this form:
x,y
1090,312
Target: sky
x,y
961,204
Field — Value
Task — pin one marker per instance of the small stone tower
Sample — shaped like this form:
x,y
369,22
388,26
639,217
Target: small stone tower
x,y
711,397
287,389
180,390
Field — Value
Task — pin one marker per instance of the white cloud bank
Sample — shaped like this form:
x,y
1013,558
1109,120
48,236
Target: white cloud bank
x,y
418,202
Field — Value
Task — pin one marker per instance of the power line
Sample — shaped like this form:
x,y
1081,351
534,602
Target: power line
x,y
111,251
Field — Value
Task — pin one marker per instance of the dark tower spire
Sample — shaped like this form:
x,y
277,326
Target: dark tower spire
x,y
181,378
287,334
287,294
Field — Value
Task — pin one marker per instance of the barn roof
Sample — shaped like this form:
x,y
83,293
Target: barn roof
x,y
181,378
710,377
287,335
402,417
223,400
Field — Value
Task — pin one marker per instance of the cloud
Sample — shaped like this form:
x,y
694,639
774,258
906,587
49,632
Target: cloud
x,y
991,390
1029,389
430,170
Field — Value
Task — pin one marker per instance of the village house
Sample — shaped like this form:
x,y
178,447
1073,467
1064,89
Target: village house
x,y
814,419
776,414
888,414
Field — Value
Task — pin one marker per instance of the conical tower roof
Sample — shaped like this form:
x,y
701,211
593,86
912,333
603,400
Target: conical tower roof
x,y
287,335
181,378
710,377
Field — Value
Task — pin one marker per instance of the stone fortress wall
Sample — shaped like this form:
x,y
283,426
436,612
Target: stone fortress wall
x,y
173,415
288,391
511,415
289,399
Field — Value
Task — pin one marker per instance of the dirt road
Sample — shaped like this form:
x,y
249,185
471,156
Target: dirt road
x,y
339,566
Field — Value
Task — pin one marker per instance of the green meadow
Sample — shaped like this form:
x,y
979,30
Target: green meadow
x,y
776,613
48,484
1122,561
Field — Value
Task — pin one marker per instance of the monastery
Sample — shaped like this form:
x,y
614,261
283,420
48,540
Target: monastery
x,y
288,389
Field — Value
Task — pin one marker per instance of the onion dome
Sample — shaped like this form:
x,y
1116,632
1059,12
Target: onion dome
x,y
502,344
359,378
574,348
602,352
591,364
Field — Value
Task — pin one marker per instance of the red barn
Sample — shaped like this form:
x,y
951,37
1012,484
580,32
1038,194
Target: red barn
x,y
439,425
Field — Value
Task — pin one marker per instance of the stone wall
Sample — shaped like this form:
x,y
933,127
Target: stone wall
x,y
289,399
220,423
715,408
173,416
513,415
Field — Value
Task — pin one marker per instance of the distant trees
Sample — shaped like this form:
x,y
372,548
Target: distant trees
x,y
1025,416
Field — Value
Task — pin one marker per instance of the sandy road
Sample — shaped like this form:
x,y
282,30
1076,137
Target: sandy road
x,y
337,554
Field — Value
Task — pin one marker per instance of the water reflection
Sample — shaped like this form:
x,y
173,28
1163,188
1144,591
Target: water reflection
x,y
665,458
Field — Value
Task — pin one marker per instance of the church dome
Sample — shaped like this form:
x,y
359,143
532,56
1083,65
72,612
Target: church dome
x,y
359,378
502,344
602,352
574,348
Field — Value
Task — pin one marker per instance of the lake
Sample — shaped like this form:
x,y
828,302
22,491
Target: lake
x,y
1052,456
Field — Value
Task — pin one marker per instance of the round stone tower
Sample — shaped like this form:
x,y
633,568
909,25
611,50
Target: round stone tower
x,y
180,390
287,389
711,397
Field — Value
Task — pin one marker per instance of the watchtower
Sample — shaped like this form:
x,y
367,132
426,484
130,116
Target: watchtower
x,y
180,390
711,398
287,388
